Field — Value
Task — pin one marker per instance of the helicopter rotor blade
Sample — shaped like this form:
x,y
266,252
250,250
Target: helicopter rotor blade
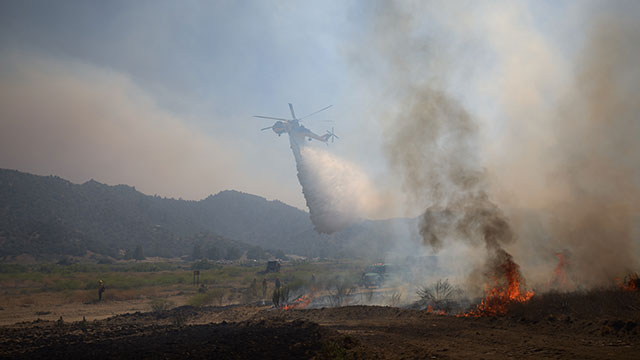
x,y
293,114
267,128
269,117
313,113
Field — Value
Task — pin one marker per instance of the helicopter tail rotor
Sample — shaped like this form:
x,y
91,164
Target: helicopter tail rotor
x,y
331,135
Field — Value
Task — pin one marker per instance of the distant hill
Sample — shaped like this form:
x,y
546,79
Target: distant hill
x,y
49,215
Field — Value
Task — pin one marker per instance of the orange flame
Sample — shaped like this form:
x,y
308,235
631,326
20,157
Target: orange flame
x,y
301,302
505,291
559,274
437,312
631,282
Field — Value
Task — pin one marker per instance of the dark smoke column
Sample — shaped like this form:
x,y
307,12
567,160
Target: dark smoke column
x,y
434,147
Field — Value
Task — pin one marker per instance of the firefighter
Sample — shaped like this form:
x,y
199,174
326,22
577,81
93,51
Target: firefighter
x,y
100,290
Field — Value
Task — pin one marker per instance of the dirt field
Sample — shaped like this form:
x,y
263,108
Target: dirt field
x,y
50,306
345,332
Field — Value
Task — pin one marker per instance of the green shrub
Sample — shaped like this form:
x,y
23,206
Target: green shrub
x,y
12,268
208,298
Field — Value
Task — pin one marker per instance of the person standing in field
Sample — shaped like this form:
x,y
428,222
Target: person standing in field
x,y
277,283
100,290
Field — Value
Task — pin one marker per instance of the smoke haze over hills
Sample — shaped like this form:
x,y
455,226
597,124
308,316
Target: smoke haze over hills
x,y
46,215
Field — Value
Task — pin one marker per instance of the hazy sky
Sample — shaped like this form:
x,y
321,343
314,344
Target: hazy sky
x,y
160,94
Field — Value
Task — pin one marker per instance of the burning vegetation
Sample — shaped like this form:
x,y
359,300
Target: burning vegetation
x,y
504,290
630,282
300,303
559,279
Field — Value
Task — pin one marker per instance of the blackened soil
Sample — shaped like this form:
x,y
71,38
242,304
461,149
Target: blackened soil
x,y
352,332
258,340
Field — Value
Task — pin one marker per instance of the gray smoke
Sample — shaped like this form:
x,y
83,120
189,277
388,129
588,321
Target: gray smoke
x,y
596,163
433,142
435,149
566,159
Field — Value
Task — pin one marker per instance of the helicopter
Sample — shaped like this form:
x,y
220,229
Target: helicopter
x,y
297,132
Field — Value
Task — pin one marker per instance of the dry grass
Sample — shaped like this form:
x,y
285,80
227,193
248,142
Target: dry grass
x,y
213,296
161,305
27,300
80,296
124,295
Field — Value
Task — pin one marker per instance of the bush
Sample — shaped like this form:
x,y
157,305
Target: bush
x,y
340,291
281,296
441,296
209,297
161,305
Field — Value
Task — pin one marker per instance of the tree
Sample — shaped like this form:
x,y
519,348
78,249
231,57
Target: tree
x,y
197,252
255,253
137,253
233,253
280,255
214,253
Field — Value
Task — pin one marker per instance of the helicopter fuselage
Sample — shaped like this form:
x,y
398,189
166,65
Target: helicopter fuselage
x,y
297,131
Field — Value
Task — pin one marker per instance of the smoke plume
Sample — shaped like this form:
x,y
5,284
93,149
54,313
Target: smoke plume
x,y
569,156
562,156
435,150
596,167
434,145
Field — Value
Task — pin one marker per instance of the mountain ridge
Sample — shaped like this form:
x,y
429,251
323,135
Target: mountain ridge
x,y
48,214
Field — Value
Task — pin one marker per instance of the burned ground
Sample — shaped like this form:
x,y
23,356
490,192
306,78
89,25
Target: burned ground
x,y
137,337
341,332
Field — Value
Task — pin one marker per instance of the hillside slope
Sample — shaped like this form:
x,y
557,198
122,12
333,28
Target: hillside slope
x,y
50,215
